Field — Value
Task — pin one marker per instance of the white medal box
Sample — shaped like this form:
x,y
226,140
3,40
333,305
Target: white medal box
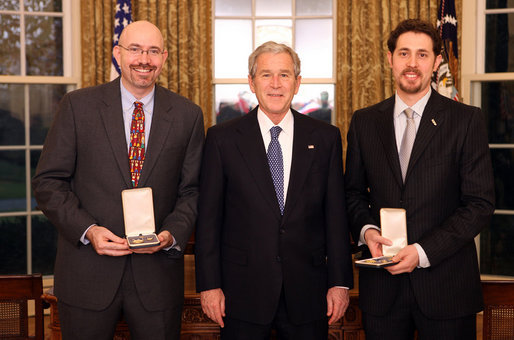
x,y
393,223
139,217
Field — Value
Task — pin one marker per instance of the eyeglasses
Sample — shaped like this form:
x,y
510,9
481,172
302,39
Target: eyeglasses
x,y
134,50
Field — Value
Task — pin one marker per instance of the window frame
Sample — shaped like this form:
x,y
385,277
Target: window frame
x,y
71,77
237,81
473,71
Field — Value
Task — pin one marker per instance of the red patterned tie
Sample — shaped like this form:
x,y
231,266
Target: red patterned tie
x,y
137,142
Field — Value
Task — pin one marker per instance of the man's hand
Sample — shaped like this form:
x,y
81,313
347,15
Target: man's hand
x,y
408,260
375,241
338,300
164,237
213,304
106,243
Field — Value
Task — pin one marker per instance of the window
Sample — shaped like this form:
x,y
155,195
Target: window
x,y
39,65
242,25
488,82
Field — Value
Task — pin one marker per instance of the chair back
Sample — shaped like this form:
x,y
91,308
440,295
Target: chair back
x,y
15,291
498,320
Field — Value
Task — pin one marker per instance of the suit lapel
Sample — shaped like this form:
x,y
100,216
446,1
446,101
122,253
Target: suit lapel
x,y
112,117
385,131
431,120
161,124
301,160
250,145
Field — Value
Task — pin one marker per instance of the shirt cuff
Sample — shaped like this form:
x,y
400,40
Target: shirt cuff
x,y
363,231
174,245
84,239
423,259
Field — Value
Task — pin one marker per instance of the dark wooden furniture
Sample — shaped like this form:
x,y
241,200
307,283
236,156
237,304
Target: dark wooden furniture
x,y
15,291
498,319
197,326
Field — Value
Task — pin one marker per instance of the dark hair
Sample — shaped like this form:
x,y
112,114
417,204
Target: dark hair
x,y
417,26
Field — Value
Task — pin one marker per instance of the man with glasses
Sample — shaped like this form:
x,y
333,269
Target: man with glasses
x,y
124,134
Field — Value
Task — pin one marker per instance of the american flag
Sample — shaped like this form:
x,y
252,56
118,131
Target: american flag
x,y
122,18
447,75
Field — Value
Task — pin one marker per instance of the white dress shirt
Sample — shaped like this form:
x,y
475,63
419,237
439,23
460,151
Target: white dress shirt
x,y
285,138
400,122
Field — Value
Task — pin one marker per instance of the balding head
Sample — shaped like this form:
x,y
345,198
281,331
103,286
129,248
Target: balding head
x,y
141,27
140,54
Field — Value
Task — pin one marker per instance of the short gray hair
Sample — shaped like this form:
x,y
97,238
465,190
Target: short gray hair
x,y
275,48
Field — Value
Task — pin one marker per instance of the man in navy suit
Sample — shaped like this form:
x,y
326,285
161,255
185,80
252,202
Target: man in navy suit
x,y
273,253
84,167
445,186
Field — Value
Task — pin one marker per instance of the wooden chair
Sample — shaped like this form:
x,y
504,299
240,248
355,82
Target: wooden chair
x,y
498,321
15,291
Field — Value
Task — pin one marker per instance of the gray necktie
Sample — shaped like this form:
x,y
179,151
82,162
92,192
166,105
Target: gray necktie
x,y
407,141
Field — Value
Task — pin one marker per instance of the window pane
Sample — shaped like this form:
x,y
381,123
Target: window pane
x,y
9,5
43,6
499,45
232,101
315,100
44,245
233,7
10,42
280,31
309,7
34,158
273,7
314,46
13,245
12,181
12,122
497,102
44,101
503,165
232,46
499,4
496,251
44,45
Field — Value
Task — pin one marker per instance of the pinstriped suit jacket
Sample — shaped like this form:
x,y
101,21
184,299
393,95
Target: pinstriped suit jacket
x,y
448,195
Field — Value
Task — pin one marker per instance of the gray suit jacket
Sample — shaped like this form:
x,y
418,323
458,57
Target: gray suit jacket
x,y
83,169
448,195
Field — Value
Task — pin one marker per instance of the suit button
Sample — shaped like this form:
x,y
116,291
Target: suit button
x,y
282,231
279,259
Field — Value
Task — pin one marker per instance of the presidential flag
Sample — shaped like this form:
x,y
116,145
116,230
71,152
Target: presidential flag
x,y
122,18
446,77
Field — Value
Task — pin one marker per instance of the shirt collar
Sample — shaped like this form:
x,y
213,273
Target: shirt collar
x,y
128,99
418,107
265,124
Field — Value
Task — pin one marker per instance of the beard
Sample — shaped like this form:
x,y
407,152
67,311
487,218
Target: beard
x,y
411,88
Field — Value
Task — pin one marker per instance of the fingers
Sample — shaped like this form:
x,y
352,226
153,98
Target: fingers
x,y
213,305
337,301
165,239
106,243
408,260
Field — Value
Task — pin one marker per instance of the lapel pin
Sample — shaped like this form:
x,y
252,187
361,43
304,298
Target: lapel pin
x,y
434,122
310,146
